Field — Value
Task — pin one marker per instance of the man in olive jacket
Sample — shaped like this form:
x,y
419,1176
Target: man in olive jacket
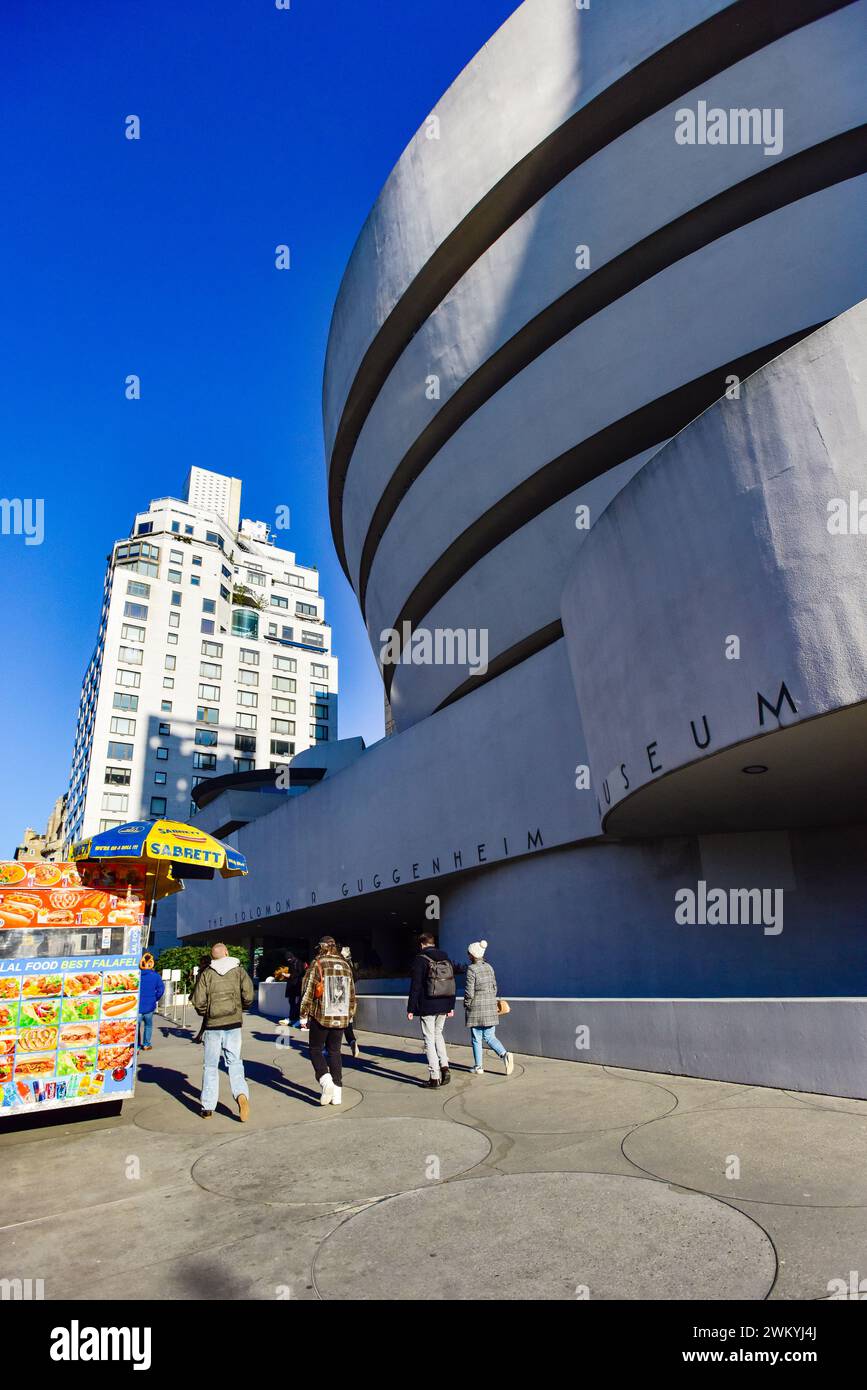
x,y
223,991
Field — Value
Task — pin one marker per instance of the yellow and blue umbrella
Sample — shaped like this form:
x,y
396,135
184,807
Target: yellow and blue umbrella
x,y
168,850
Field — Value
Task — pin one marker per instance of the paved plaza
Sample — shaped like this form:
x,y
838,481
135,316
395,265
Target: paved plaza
x,y
562,1181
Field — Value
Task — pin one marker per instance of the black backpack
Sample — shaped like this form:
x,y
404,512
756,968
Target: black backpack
x,y
440,982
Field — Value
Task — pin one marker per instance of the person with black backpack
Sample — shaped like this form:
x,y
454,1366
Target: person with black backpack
x,y
432,997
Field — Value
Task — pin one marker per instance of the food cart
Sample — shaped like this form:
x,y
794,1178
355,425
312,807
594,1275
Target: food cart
x,y
69,985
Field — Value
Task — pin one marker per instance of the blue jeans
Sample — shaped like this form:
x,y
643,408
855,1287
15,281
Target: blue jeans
x,y
482,1036
146,1028
225,1042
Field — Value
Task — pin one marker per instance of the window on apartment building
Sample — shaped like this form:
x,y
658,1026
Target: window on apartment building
x,y
206,762
122,726
176,528
109,824
284,683
305,610
318,711
164,730
244,743
123,701
245,721
188,530
245,764
195,580
174,576
313,639
209,605
197,781
247,677
207,714
279,601
177,596
282,705
165,707
130,678
318,670
282,726
297,580
138,590
248,656
172,639
211,668
159,779
248,698
281,748
255,577
197,560
174,620
158,805
226,573
212,649
285,663
117,776
144,528
130,633
272,629
136,610
115,801
171,662
162,755
208,627
213,539
131,655
287,633
120,752
209,692
168,682
143,567
176,557
319,732
206,738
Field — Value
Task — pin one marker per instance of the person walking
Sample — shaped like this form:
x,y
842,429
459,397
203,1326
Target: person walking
x,y
432,998
327,1007
223,991
294,979
349,1031
151,992
480,1009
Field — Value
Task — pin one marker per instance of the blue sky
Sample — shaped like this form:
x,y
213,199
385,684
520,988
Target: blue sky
x,y
156,257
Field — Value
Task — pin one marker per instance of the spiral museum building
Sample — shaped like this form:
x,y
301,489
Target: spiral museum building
x,y
596,428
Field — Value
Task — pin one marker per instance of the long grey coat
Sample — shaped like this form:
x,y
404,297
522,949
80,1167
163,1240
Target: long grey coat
x,y
480,996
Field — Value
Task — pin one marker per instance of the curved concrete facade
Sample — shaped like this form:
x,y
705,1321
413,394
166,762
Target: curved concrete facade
x,y
755,498
523,447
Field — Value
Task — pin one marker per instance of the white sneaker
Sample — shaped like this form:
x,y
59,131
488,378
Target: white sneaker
x,y
355,1050
477,1071
510,1063
327,1089
336,1095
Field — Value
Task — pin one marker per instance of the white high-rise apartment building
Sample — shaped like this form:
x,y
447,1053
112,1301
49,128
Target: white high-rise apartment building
x,y
213,656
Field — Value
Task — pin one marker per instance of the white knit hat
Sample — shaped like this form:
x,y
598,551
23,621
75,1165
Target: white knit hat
x,y
477,949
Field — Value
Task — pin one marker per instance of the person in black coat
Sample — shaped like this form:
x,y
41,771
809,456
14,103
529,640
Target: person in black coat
x,y
432,999
294,979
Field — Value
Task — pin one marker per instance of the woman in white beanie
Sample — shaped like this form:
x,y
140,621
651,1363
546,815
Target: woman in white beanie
x,y
480,1008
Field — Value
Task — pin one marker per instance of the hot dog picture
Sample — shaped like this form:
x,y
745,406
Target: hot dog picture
x,y
79,1034
116,1005
41,986
34,1066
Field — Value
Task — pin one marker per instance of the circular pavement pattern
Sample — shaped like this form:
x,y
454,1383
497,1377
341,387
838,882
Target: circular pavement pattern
x,y
369,1159
572,1103
774,1147
615,1237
